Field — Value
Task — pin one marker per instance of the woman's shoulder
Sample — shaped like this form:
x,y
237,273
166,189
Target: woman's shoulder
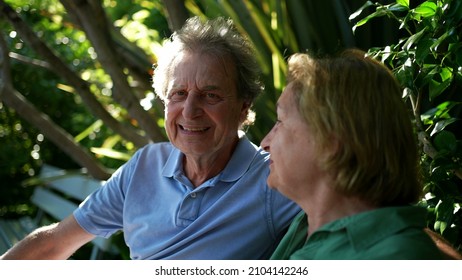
x,y
410,243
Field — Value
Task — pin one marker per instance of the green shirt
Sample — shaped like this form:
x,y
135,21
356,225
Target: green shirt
x,y
385,233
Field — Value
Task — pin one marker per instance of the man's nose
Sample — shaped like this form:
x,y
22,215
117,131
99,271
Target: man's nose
x,y
192,107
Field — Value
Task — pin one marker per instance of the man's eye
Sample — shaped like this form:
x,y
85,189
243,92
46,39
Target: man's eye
x,y
211,95
212,98
178,95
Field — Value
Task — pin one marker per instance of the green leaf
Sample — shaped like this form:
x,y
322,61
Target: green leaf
x,y
439,113
445,141
441,125
446,74
398,8
414,39
425,75
439,174
442,38
404,3
426,9
444,214
360,10
440,226
455,49
423,49
455,11
444,108
387,53
436,88
404,75
378,13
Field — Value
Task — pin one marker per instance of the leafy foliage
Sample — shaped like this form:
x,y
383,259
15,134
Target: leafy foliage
x,y
422,46
428,63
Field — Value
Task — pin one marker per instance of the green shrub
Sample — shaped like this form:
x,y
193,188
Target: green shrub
x,y
427,61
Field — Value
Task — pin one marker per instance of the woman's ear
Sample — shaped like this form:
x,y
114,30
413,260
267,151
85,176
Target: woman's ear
x,y
332,148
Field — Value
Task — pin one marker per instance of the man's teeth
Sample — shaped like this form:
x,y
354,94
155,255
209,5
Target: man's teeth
x,y
193,129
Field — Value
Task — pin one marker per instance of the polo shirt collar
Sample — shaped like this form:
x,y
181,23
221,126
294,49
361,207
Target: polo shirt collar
x,y
390,220
240,161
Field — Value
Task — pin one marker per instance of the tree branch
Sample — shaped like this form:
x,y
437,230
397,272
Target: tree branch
x,y
422,135
56,134
61,69
177,13
94,24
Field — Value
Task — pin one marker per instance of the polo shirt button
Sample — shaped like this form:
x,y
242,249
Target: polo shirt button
x,y
193,195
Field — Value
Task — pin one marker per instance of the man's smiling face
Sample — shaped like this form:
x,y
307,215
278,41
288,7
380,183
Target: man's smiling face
x,y
203,111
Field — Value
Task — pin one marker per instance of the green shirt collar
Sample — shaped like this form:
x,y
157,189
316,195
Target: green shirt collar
x,y
363,231
390,220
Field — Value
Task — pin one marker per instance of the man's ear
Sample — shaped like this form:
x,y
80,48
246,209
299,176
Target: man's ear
x,y
245,111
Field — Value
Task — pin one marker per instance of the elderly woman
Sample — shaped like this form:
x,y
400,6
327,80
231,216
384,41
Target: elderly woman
x,y
343,149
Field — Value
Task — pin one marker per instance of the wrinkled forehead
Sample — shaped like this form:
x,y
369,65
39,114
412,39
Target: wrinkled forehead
x,y
218,62
204,68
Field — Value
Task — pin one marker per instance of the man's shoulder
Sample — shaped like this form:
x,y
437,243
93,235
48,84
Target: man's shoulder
x,y
156,148
152,153
159,145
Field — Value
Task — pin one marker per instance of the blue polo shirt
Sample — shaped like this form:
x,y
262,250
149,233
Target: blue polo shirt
x,y
233,215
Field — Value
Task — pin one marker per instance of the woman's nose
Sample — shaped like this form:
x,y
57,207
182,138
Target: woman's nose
x,y
265,143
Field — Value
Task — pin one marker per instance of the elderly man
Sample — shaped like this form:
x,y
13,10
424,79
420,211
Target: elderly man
x,y
203,195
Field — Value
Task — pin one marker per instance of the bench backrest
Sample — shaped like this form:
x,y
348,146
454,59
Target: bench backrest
x,y
60,194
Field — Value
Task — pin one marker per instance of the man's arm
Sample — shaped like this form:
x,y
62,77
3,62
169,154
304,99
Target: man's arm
x,y
53,242
445,247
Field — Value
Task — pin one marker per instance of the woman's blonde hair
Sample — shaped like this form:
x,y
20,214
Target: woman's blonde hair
x,y
354,105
